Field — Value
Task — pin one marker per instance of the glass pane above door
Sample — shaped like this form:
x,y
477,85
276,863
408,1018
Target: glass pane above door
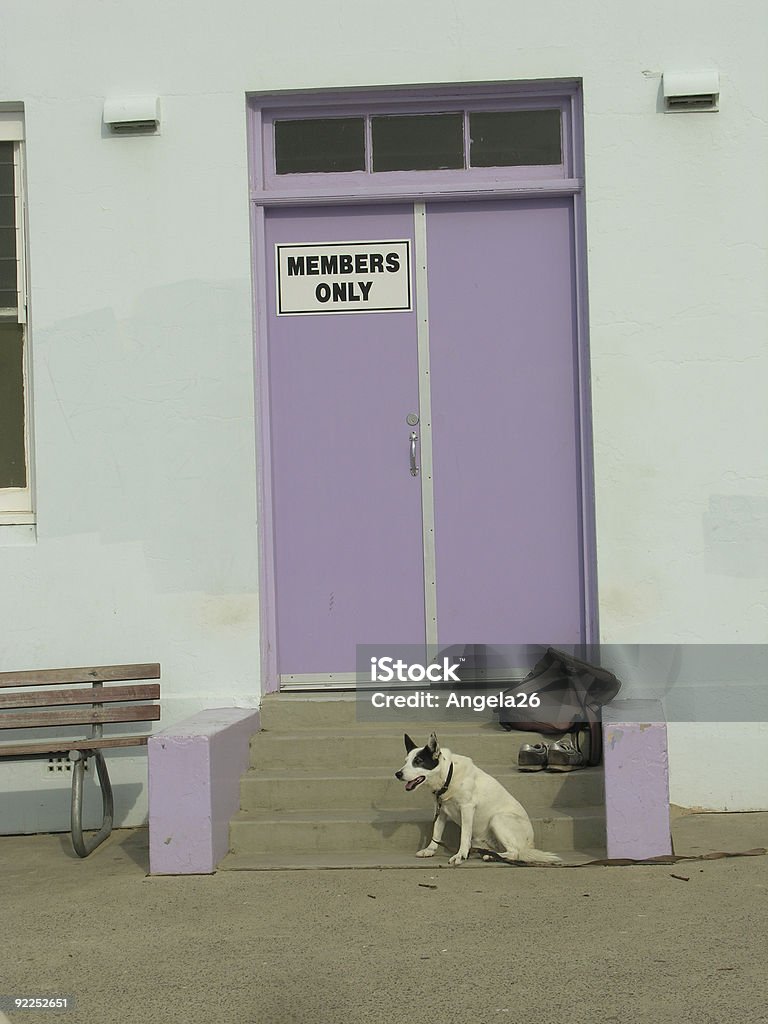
x,y
513,138
418,142
320,144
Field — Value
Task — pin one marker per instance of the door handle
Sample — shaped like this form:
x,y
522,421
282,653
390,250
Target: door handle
x,y
414,467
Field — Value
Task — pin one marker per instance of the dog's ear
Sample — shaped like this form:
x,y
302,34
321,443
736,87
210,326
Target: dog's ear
x,y
409,744
434,746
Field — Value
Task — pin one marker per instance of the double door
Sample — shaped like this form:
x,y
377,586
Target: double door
x,y
425,429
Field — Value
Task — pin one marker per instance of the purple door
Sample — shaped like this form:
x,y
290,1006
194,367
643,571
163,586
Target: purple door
x,y
501,514
347,511
507,491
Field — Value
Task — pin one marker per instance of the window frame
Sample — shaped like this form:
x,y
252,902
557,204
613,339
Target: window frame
x,y
268,186
16,503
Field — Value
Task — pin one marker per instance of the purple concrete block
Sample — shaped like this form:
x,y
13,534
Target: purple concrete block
x,y
636,780
194,789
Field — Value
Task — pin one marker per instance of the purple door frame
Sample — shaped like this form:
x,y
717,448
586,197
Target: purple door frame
x,y
268,191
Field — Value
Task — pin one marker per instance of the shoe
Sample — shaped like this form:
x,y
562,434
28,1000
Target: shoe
x,y
564,756
532,757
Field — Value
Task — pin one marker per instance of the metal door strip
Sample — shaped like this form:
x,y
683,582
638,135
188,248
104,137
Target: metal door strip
x,y
425,415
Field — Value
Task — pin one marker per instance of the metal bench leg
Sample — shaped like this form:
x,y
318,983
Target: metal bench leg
x,y
79,758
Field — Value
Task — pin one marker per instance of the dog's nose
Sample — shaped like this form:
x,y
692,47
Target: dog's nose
x,y
399,775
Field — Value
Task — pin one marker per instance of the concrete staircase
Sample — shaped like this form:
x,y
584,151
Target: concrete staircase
x,y
321,791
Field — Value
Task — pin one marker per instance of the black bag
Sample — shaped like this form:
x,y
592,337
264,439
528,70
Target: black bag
x,y
571,695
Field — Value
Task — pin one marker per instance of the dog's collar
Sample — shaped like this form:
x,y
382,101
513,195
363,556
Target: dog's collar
x,y
449,776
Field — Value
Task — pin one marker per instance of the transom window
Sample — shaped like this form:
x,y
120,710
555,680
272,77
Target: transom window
x,y
383,144
445,140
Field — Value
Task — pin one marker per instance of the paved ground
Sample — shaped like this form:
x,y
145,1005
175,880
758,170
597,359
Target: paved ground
x,y
668,944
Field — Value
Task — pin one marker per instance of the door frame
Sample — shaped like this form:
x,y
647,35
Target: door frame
x,y
418,187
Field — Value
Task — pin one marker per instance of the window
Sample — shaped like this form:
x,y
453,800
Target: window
x,y
460,140
13,462
9,247
15,489
320,144
417,142
500,138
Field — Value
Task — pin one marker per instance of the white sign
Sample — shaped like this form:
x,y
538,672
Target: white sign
x,y
343,277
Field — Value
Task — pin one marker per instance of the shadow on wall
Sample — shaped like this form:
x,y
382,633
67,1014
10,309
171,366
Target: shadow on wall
x,y
695,682
48,809
736,535
152,416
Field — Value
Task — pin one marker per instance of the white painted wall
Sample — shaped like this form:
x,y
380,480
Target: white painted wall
x,y
141,321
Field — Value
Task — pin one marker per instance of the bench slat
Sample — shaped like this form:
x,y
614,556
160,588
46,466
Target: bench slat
x,y
93,695
62,746
104,673
82,716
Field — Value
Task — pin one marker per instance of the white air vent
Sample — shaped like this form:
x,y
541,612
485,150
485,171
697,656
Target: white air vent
x,y
691,91
132,115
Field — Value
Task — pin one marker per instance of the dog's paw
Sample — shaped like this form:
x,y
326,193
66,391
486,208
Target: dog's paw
x,y
426,852
457,858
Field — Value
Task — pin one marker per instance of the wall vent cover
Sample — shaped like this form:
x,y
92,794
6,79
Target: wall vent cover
x,y
132,115
691,91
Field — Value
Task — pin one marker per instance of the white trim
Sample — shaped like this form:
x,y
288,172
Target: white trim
x,y
322,681
11,125
356,681
321,677
19,518
14,501
425,423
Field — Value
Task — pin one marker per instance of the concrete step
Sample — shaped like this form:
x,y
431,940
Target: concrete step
x,y
321,790
383,860
375,789
289,712
327,831
361,746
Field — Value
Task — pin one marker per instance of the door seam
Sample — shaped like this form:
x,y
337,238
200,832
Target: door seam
x,y
425,413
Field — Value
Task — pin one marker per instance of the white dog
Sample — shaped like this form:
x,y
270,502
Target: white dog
x,y
489,817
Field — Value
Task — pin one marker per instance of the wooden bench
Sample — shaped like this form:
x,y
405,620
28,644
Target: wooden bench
x,y
80,698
